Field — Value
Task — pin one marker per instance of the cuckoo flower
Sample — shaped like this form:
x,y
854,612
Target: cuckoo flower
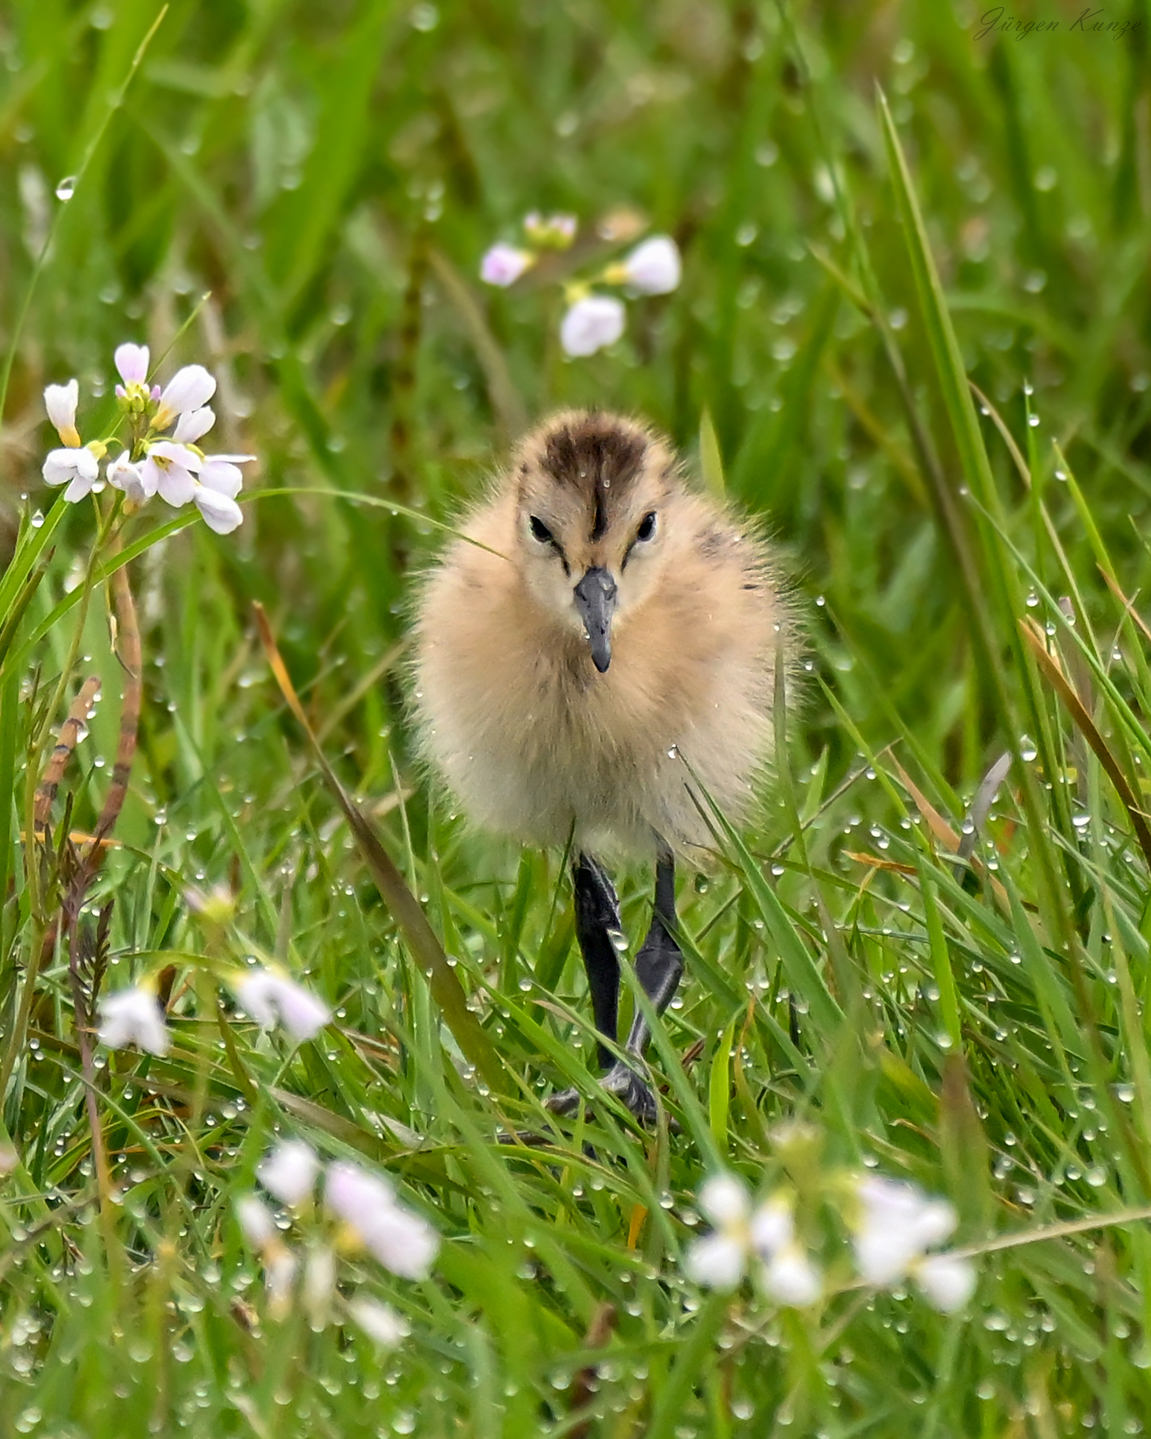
x,y
133,1016
271,997
590,324
78,469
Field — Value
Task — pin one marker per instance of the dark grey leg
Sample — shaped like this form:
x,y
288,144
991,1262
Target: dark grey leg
x,y
659,965
596,920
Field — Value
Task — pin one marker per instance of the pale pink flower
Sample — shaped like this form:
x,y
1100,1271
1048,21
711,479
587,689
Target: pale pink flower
x,y
502,265
271,997
60,401
652,268
133,1016
78,469
289,1171
590,324
400,1239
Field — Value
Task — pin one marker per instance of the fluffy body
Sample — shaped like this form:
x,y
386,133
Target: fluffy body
x,y
513,714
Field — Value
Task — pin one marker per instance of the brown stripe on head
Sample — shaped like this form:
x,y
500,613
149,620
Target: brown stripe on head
x,y
593,454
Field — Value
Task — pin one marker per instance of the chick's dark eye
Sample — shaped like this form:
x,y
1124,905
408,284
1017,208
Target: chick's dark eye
x,y
647,527
541,531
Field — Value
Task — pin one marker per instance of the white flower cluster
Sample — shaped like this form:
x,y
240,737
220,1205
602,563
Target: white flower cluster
x,y
371,1218
149,461
592,320
133,1016
892,1226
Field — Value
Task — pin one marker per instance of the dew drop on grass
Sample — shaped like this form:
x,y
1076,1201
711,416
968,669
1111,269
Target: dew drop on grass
x,y
66,188
37,519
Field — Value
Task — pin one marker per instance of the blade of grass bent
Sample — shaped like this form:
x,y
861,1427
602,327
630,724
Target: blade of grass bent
x,y
445,987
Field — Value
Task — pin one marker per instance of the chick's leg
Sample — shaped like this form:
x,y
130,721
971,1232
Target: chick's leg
x,y
658,966
597,920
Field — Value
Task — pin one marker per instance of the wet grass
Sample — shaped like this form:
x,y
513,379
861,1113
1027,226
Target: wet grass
x,y
942,980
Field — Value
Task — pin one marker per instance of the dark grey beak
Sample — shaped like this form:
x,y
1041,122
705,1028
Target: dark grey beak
x,y
595,600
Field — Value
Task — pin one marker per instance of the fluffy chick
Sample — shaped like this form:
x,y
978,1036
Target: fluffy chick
x,y
601,624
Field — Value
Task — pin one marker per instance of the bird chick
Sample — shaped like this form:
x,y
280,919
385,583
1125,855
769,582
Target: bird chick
x,y
601,624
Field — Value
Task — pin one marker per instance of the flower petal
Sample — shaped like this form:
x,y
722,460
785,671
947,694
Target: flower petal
x,y
792,1278
947,1281
220,512
502,265
289,1171
132,362
653,268
193,424
175,485
188,389
133,1016
590,324
716,1261
723,1199
219,472
60,401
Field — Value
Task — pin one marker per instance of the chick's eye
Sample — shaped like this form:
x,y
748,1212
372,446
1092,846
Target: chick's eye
x,y
647,527
541,531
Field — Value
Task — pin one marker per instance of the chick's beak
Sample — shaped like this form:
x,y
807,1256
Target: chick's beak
x,y
595,601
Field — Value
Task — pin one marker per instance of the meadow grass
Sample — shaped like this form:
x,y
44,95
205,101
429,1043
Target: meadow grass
x,y
913,335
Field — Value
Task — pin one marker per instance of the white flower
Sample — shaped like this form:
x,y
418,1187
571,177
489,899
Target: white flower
x,y
652,268
947,1280
400,1239
897,1223
122,474
270,997
791,1277
193,425
379,1321
133,1016
188,389
169,471
78,469
503,265
257,1223
60,401
289,1172
767,1232
132,362
590,324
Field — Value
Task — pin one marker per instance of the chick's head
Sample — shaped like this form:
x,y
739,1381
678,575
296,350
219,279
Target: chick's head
x,y
594,526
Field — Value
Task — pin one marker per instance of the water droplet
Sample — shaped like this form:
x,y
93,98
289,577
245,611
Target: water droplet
x,y
37,519
66,188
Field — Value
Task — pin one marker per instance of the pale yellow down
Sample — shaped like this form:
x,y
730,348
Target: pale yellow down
x,y
532,740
